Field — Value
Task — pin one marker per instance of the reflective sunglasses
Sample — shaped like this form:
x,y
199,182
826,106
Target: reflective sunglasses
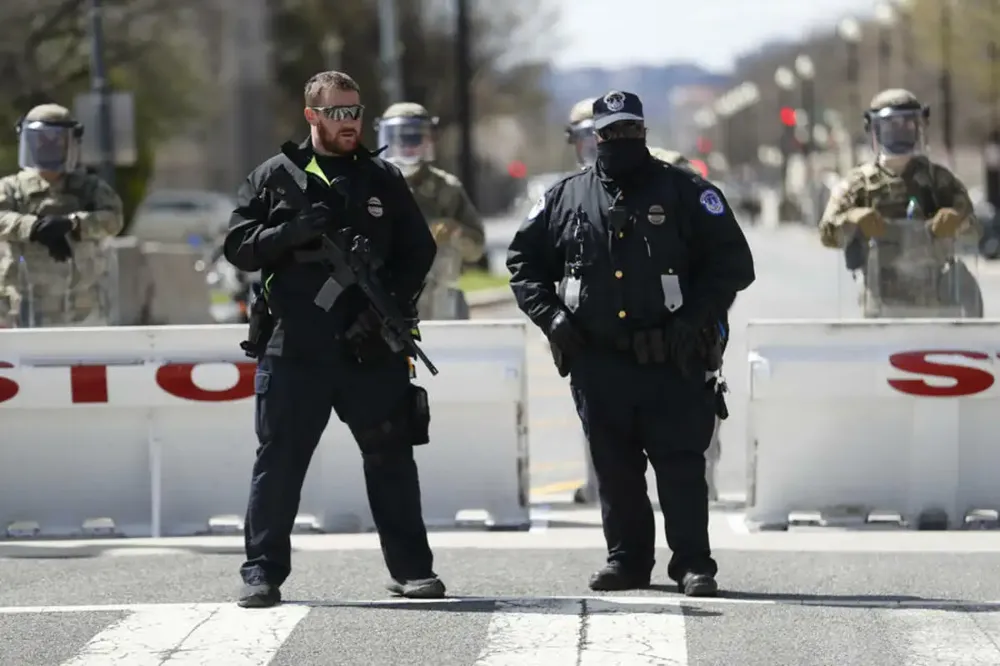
x,y
348,112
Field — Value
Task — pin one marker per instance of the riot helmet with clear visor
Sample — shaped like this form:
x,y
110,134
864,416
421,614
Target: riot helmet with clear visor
x,y
49,139
580,132
897,124
406,130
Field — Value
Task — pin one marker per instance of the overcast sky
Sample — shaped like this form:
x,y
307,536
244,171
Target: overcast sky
x,y
615,33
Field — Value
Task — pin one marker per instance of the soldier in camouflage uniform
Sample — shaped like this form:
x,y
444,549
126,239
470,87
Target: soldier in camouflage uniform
x,y
881,190
407,131
580,132
53,217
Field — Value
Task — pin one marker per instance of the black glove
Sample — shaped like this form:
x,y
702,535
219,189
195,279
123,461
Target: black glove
x,y
60,250
366,324
308,225
683,340
365,337
565,335
52,231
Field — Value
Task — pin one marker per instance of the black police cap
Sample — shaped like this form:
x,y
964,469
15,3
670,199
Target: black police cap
x,y
615,107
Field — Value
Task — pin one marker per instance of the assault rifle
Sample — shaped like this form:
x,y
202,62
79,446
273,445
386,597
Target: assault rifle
x,y
351,262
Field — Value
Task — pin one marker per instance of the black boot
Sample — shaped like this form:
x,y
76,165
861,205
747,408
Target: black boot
x,y
698,585
262,595
423,588
614,577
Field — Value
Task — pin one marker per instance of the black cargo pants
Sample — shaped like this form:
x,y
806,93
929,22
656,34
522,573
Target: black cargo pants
x,y
631,413
294,399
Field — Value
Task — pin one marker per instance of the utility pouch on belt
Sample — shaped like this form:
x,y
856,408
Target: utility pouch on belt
x,y
649,347
420,415
261,323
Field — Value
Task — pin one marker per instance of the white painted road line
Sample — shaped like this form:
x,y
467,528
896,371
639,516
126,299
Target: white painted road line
x,y
541,603
192,635
944,637
566,632
532,633
643,635
541,631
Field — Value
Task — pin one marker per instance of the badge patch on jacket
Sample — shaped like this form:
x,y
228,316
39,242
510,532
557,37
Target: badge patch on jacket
x,y
375,207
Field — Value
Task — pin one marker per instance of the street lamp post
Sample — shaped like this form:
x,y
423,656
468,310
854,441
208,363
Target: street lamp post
x,y
785,80
99,85
850,32
904,11
992,155
885,17
947,102
806,70
333,49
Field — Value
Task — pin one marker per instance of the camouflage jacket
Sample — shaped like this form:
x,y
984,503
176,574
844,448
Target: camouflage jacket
x,y
61,291
454,221
872,186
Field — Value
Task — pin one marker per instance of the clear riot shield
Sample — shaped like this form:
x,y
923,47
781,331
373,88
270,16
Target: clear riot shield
x,y
911,274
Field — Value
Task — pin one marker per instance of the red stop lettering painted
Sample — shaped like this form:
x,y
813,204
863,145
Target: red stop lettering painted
x,y
88,384
967,381
8,387
178,380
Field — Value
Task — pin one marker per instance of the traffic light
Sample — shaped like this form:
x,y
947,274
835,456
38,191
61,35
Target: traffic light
x,y
704,145
517,169
788,116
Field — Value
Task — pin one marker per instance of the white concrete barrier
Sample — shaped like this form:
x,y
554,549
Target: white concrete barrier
x,y
148,431
853,422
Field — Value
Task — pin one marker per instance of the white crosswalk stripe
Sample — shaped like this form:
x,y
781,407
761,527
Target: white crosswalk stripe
x,y
554,631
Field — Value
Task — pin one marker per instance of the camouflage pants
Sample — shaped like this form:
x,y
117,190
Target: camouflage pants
x,y
10,304
18,312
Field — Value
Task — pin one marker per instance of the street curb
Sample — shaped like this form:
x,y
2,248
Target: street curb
x,y
481,298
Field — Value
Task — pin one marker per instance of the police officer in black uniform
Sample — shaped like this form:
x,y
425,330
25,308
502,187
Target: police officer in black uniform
x,y
629,267
315,359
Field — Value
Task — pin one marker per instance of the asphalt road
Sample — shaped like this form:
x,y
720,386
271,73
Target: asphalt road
x,y
791,600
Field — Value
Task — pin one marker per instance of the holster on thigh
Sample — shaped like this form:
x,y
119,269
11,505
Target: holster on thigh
x,y
407,426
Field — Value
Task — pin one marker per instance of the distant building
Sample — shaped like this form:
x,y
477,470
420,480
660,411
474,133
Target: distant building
x,y
685,102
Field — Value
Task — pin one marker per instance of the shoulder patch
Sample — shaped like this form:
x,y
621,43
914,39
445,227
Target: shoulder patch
x,y
712,202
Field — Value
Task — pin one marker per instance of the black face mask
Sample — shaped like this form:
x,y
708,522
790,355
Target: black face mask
x,y
619,157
